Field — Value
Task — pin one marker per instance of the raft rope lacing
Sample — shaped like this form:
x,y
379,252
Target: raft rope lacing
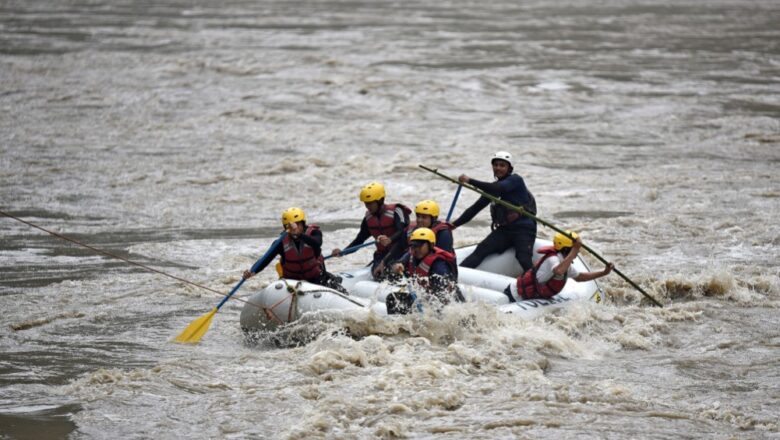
x,y
294,293
267,311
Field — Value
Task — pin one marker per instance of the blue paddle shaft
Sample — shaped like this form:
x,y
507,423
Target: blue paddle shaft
x,y
258,263
348,251
454,201
224,300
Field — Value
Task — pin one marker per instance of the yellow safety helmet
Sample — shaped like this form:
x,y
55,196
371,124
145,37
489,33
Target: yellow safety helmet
x,y
423,234
372,192
293,215
428,207
561,241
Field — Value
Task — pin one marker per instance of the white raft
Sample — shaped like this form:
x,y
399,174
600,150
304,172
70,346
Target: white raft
x,y
285,301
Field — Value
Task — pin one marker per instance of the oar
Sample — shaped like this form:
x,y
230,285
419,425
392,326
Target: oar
x,y
454,201
280,270
352,249
197,328
522,211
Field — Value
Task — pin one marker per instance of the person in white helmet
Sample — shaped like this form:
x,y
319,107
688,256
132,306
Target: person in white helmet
x,y
509,228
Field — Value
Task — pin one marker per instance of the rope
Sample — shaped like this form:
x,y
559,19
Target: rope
x,y
269,312
109,254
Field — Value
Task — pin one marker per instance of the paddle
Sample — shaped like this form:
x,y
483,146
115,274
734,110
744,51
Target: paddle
x,y
454,201
522,211
352,249
197,328
346,251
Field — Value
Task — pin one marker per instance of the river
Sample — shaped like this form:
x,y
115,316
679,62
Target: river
x,y
174,133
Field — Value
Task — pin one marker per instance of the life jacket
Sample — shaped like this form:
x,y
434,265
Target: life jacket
x,y
501,215
439,226
529,288
423,268
422,271
303,263
384,223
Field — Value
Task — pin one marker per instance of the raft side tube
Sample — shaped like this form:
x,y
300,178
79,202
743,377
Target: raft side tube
x,y
284,301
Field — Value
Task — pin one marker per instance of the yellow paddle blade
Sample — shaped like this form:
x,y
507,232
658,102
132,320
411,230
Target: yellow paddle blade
x,y
197,328
279,269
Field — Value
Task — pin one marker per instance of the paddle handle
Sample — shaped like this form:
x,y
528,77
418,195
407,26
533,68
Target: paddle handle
x,y
454,201
522,211
349,250
260,261
227,297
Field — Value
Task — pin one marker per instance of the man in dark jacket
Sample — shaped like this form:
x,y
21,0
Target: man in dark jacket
x,y
509,228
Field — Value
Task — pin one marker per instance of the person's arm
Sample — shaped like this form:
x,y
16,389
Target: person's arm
x,y
471,211
314,240
275,251
400,222
362,235
492,188
396,249
587,276
561,269
444,240
399,266
513,184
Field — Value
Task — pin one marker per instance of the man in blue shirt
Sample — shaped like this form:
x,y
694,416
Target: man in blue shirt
x,y
509,228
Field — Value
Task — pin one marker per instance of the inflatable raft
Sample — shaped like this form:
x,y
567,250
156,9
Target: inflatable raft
x,y
285,301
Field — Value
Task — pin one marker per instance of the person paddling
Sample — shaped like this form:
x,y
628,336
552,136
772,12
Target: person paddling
x,y
509,228
550,273
300,252
427,216
386,222
433,268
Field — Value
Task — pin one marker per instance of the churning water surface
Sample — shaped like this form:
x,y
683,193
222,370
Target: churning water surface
x,y
174,133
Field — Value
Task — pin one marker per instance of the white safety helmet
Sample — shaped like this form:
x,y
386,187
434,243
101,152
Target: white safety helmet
x,y
502,155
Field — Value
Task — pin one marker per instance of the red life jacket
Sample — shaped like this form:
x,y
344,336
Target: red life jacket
x,y
423,268
529,288
384,223
301,264
439,226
